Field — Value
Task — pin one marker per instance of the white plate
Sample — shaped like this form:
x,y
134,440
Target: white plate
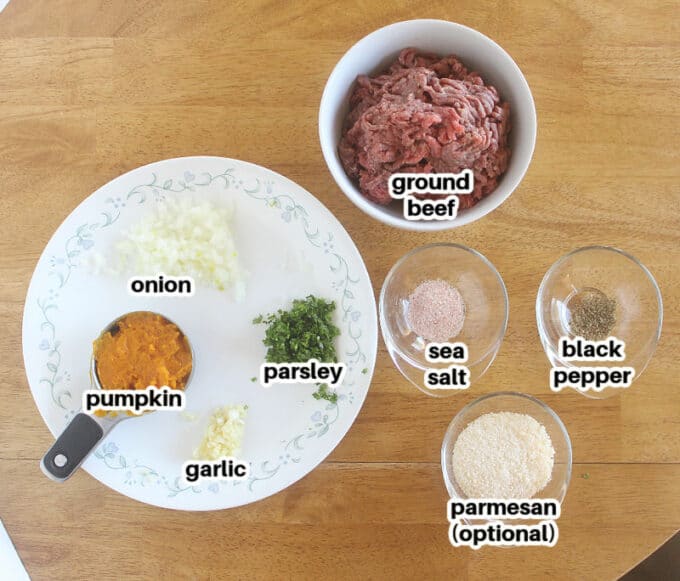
x,y
290,244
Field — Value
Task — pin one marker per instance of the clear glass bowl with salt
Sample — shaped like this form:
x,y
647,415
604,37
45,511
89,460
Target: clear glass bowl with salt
x,y
442,293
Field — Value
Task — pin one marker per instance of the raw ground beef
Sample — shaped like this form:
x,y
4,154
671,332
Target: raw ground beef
x,y
426,114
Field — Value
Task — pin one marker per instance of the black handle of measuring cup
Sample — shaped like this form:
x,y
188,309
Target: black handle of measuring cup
x,y
72,447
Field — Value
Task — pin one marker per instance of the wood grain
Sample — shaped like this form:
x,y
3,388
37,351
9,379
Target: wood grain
x,y
90,89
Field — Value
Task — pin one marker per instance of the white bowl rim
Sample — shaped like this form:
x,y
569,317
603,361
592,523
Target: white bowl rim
x,y
357,198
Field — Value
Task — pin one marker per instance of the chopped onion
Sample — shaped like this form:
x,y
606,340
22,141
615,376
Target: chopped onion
x,y
185,238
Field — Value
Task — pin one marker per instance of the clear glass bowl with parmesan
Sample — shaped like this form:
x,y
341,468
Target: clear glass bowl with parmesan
x,y
506,445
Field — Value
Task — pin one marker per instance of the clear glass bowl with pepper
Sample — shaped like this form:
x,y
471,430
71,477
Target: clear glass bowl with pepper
x,y
597,292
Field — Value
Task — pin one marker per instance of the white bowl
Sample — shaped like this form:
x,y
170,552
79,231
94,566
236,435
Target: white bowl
x,y
374,53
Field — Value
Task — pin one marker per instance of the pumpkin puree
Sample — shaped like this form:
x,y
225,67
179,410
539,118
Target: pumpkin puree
x,y
142,349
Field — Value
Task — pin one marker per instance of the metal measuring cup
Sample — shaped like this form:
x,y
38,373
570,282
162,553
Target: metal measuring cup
x,y
85,430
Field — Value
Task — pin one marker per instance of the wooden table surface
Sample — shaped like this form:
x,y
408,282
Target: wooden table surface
x,y
90,89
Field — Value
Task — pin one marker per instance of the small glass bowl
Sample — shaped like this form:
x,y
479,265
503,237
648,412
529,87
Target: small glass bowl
x,y
520,403
486,306
620,276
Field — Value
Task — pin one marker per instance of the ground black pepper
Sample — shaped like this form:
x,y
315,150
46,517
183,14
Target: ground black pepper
x,y
592,314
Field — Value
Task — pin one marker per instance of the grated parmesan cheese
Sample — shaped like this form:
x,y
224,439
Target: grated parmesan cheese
x,y
503,455
185,238
224,433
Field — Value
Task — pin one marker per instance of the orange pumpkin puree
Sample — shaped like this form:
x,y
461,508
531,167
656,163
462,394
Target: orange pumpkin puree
x,y
142,349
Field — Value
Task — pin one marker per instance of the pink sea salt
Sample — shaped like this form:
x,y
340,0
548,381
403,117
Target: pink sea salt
x,y
436,311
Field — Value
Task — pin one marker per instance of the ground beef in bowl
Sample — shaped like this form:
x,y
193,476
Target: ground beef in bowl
x,y
426,114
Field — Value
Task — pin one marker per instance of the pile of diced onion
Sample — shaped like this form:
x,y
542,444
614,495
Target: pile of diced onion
x,y
185,238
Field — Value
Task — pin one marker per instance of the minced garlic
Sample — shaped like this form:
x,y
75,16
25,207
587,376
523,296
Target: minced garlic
x,y
224,433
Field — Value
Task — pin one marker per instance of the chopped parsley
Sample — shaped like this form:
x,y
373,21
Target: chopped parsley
x,y
304,332
324,393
